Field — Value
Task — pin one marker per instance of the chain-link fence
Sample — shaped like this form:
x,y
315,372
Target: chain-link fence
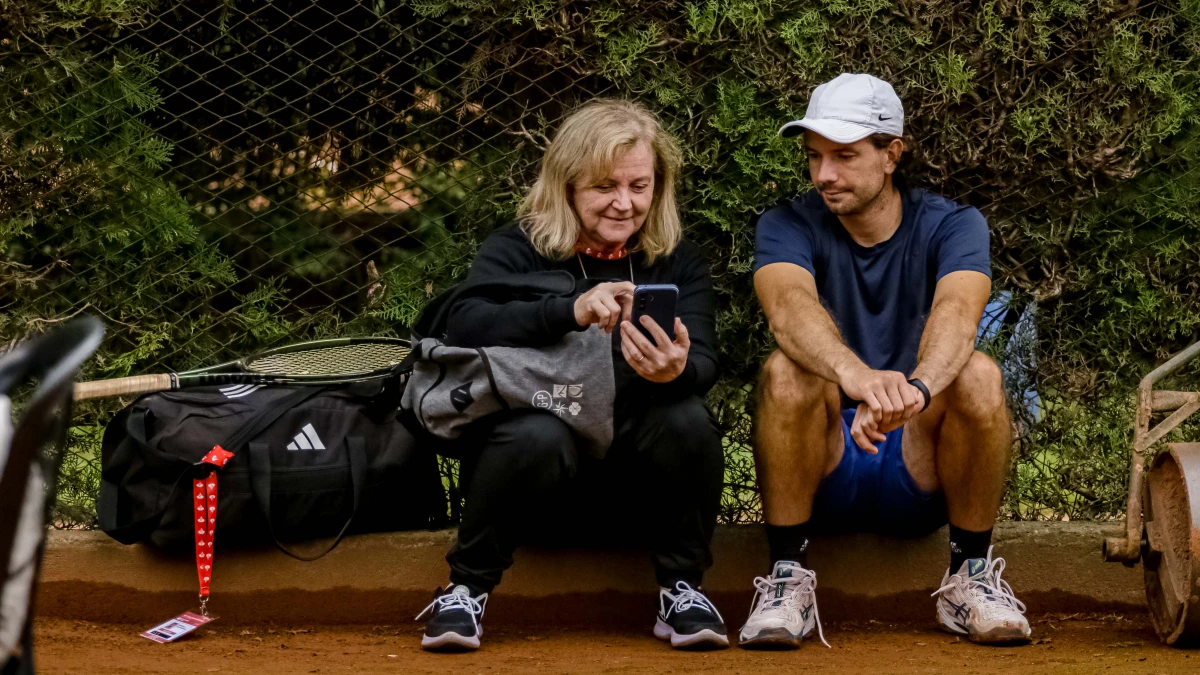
x,y
214,178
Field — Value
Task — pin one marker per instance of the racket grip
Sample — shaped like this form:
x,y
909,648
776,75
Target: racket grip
x,y
138,384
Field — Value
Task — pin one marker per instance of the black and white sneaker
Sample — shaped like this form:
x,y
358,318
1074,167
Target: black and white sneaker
x,y
688,619
455,620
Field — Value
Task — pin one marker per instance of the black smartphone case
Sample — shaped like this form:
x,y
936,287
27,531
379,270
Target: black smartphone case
x,y
657,301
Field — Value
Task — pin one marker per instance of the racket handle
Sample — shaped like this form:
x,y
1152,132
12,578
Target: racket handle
x,y
138,384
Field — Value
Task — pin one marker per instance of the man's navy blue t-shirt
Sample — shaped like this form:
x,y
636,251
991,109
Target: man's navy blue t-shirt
x,y
879,296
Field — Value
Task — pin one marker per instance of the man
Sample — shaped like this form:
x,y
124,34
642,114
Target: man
x,y
876,413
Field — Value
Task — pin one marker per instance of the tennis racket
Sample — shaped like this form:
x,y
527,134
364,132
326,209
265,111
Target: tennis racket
x,y
321,362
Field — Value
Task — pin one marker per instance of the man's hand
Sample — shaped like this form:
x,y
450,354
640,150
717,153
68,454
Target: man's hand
x,y
865,430
658,363
886,395
606,305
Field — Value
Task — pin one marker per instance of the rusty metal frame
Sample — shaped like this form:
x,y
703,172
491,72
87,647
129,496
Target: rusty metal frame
x,y
1127,549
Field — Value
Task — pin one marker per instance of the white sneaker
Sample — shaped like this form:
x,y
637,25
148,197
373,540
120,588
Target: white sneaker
x,y
978,603
784,609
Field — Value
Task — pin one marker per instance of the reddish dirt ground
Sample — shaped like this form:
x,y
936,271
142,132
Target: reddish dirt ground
x,y
1062,644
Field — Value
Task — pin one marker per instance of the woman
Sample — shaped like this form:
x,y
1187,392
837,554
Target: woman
x,y
603,208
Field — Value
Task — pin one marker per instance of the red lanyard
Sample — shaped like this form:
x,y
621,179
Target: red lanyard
x,y
205,500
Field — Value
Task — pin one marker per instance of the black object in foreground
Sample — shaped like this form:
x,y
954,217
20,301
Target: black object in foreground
x,y
29,466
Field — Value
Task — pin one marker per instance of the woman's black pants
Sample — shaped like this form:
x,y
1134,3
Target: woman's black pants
x,y
525,481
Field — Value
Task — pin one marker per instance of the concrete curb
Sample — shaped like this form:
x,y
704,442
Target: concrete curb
x,y
388,578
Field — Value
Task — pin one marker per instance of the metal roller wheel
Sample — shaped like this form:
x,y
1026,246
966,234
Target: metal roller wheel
x,y
1162,518
1171,558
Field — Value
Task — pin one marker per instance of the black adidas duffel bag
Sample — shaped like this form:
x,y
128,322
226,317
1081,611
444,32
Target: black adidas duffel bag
x,y
308,462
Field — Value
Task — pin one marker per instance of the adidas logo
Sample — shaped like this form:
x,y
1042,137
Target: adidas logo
x,y
239,390
307,439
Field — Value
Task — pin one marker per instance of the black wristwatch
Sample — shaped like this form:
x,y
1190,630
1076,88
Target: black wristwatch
x,y
924,391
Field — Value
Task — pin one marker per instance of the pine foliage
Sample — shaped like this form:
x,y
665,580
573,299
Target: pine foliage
x,y
201,173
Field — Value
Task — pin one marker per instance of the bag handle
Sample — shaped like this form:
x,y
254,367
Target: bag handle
x,y
267,417
487,368
107,504
260,485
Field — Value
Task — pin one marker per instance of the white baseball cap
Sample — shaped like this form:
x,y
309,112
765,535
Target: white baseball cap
x,y
849,108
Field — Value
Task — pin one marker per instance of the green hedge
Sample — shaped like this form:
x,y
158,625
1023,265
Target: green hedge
x,y
134,136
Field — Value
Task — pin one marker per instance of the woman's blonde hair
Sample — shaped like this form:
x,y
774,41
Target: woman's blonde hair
x,y
587,144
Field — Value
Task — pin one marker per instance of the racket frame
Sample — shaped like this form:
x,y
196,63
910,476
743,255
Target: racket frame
x,y
225,373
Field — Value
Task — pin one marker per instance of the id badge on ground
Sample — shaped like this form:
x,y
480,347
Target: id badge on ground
x,y
172,630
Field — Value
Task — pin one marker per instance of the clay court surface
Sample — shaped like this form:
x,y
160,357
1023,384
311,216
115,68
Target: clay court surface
x,y
1062,644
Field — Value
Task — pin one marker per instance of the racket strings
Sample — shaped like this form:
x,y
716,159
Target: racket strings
x,y
341,360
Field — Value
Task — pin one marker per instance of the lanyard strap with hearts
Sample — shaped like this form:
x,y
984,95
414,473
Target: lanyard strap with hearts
x,y
204,498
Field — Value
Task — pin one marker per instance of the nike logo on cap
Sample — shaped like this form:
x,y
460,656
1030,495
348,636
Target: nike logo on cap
x,y
883,119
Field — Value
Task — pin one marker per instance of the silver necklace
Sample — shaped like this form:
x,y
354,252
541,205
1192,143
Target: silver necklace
x,y
585,276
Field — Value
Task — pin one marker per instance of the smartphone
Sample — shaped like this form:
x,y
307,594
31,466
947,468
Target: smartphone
x,y
656,301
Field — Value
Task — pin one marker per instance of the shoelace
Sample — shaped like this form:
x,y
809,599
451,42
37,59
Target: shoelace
x,y
808,584
995,588
458,601
686,597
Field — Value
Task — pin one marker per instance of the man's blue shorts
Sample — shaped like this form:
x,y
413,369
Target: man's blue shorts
x,y
875,493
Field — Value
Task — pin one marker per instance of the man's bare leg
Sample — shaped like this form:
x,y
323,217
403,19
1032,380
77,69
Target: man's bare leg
x,y
798,441
962,445
975,447
797,438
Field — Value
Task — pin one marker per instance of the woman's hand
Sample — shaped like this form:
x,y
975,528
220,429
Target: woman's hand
x,y
605,305
658,363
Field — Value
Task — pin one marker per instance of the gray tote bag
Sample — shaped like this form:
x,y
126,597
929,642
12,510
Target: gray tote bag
x,y
451,387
